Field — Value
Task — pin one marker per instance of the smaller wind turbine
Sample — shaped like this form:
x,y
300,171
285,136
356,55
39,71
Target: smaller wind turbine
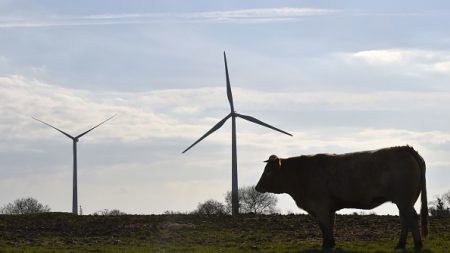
x,y
233,115
75,140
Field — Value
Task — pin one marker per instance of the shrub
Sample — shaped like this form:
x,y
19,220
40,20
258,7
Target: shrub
x,y
211,207
24,206
252,201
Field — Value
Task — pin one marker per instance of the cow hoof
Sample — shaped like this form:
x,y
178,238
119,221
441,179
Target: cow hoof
x,y
400,247
328,244
327,250
418,247
327,247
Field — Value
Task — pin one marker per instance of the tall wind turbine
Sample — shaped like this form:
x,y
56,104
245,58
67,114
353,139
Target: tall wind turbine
x,y
75,140
233,115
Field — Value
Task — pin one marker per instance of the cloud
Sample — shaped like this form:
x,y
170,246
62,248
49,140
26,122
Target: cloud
x,y
241,16
75,111
341,101
415,59
341,121
285,12
269,14
180,113
252,15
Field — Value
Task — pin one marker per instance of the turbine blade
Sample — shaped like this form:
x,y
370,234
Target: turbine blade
x,y
59,130
259,122
212,130
229,93
79,136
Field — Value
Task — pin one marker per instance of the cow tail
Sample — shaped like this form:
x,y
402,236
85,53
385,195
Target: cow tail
x,y
423,197
423,191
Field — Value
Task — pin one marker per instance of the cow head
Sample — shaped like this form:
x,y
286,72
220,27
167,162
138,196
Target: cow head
x,y
271,179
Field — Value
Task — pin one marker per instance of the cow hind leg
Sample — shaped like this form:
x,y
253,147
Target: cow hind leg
x,y
414,227
408,217
326,224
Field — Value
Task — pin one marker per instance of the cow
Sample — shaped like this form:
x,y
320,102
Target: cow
x,y
322,184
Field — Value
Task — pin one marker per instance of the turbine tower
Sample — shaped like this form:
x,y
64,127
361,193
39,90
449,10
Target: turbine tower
x,y
233,115
75,140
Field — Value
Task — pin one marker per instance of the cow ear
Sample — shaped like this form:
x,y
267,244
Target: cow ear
x,y
271,158
274,160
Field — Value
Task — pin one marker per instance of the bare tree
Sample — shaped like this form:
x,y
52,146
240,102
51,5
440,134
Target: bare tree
x,y
211,207
446,197
24,206
440,207
251,201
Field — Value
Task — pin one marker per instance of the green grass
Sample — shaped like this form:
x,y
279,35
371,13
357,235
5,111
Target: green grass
x,y
60,232
346,247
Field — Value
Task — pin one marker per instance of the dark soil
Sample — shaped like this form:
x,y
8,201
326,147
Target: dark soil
x,y
68,229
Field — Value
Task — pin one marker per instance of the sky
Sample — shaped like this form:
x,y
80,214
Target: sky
x,y
341,76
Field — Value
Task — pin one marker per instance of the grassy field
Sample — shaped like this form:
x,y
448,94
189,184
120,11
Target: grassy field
x,y
62,232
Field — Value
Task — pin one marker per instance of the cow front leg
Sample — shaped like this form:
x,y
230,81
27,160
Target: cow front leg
x,y
403,234
328,241
326,224
407,218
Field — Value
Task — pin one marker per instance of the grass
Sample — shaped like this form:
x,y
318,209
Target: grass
x,y
62,232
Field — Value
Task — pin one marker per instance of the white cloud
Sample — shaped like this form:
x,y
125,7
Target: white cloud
x,y
244,15
354,101
397,135
384,56
269,13
251,15
284,12
176,113
443,66
415,59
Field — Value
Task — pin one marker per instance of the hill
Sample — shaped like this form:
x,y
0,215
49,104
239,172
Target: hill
x,y
64,232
